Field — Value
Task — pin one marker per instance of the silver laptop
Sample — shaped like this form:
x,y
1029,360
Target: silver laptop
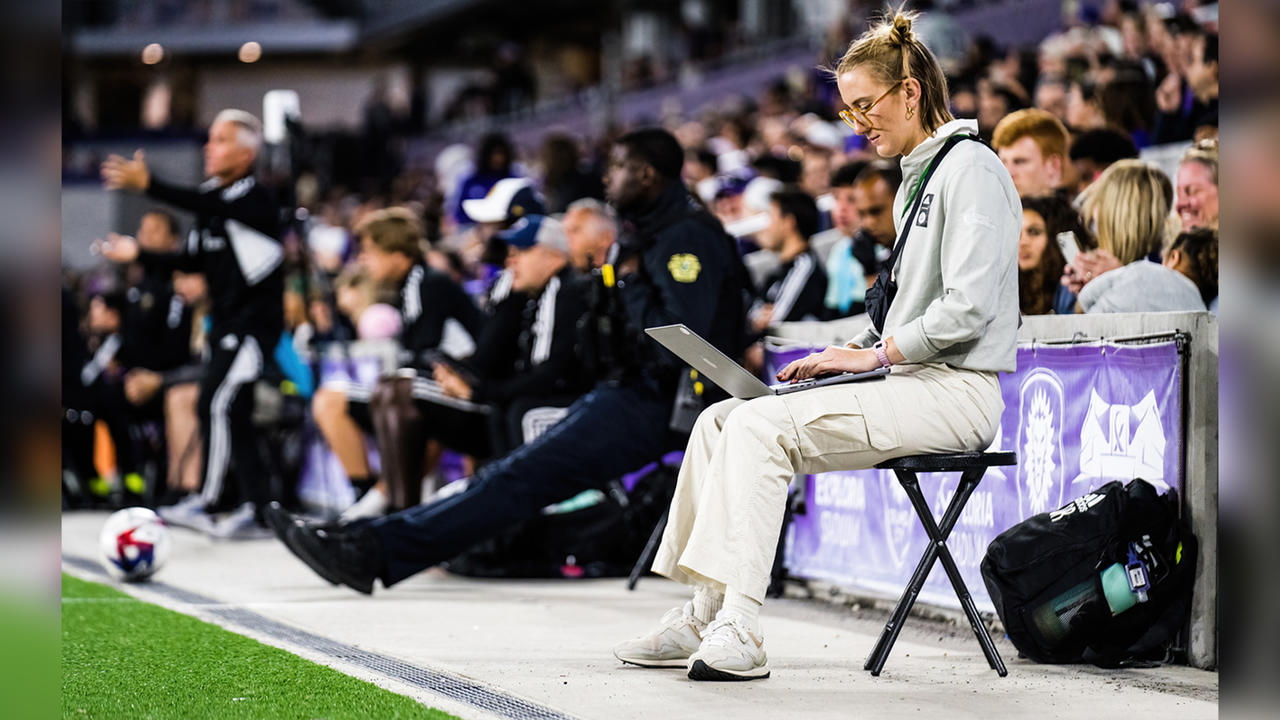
x,y
732,377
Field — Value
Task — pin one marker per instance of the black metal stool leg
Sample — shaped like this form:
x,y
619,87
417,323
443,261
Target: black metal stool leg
x,y
650,551
968,483
937,548
875,662
971,612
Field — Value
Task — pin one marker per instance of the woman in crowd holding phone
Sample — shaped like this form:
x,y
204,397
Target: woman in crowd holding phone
x,y
1051,235
945,318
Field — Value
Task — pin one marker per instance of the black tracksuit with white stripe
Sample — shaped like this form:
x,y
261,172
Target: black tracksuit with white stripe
x,y
156,325
797,290
541,359
437,315
525,358
236,245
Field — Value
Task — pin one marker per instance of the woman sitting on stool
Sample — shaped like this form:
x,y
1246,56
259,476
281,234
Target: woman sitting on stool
x,y
947,333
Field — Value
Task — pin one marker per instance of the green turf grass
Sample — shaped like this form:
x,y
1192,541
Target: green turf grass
x,y
123,658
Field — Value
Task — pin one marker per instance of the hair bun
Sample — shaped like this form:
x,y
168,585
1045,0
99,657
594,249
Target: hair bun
x,y
900,33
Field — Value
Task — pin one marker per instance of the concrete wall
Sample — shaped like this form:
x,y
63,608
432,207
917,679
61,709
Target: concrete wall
x,y
1200,413
1200,481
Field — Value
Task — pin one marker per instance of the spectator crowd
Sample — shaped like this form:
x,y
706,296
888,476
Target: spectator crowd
x,y
488,273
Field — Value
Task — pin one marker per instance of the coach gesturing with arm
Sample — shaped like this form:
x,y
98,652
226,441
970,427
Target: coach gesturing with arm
x,y
236,245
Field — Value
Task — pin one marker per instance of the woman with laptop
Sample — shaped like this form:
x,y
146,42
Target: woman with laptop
x,y
944,316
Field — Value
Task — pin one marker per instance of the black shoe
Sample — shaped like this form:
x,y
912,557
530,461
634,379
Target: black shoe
x,y
278,519
342,556
282,521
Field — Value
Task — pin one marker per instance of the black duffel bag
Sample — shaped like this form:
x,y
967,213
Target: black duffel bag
x,y
1105,579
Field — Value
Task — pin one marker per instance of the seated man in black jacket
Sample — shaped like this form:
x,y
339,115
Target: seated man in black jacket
x,y
436,316
675,265
797,290
524,371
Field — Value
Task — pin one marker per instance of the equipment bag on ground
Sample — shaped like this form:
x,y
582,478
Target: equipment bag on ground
x,y
1104,579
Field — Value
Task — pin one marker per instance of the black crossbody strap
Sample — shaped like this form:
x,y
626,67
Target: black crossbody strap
x,y
919,195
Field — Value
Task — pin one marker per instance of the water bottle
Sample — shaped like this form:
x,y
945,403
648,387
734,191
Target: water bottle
x,y
1082,604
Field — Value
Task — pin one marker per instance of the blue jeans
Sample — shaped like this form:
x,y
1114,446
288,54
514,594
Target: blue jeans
x,y
608,432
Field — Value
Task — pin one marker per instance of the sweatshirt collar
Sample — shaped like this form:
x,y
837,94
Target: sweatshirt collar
x,y
914,162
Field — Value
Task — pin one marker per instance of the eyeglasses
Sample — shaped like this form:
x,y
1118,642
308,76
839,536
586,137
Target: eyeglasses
x,y
859,115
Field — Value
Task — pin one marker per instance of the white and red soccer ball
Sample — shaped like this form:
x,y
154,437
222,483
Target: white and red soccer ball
x,y
134,544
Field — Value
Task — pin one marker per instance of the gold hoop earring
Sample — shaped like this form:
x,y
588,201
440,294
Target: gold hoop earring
x,y
911,112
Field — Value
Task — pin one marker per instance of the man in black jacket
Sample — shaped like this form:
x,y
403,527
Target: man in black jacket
x,y
151,333
524,372
236,245
797,290
675,265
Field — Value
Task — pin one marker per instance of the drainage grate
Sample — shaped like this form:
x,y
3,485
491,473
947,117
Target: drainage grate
x,y
441,683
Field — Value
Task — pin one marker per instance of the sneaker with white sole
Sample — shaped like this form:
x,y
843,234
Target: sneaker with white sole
x,y
669,645
189,512
729,651
240,524
374,504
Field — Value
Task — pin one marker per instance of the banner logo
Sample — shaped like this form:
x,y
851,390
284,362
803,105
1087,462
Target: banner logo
x,y
1041,480
1121,442
900,523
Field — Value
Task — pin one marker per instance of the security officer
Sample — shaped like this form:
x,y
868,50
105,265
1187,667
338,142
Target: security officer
x,y
675,265
236,244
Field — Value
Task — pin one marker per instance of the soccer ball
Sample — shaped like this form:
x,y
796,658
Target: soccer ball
x,y
134,544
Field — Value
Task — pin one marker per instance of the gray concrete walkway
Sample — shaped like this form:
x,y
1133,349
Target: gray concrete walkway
x,y
486,648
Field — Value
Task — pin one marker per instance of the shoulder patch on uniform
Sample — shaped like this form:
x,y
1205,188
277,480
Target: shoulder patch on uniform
x,y
684,267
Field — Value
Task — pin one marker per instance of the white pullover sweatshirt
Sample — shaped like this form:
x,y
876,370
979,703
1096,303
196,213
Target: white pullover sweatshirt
x,y
957,300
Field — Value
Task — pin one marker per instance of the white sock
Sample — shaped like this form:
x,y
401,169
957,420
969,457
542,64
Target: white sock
x,y
373,504
744,608
706,603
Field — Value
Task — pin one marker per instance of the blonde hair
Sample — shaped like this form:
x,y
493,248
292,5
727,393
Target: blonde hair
x,y
1130,204
891,52
1204,152
1048,132
393,229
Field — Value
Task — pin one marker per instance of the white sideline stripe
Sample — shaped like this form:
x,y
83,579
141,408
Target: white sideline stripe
x,y
440,689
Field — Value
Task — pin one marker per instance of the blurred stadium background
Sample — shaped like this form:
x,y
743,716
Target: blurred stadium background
x,y
372,103
378,87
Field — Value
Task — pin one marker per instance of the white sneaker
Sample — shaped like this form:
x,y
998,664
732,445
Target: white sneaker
x,y
239,524
677,636
189,512
729,652
373,505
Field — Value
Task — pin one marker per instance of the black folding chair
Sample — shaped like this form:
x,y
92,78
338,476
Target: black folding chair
x,y
972,467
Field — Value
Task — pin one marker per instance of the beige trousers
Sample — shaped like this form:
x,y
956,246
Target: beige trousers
x,y
729,502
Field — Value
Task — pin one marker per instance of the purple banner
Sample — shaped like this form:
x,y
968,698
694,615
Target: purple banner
x,y
1077,417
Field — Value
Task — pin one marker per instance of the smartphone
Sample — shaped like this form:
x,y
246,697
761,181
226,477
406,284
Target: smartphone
x,y
1068,244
